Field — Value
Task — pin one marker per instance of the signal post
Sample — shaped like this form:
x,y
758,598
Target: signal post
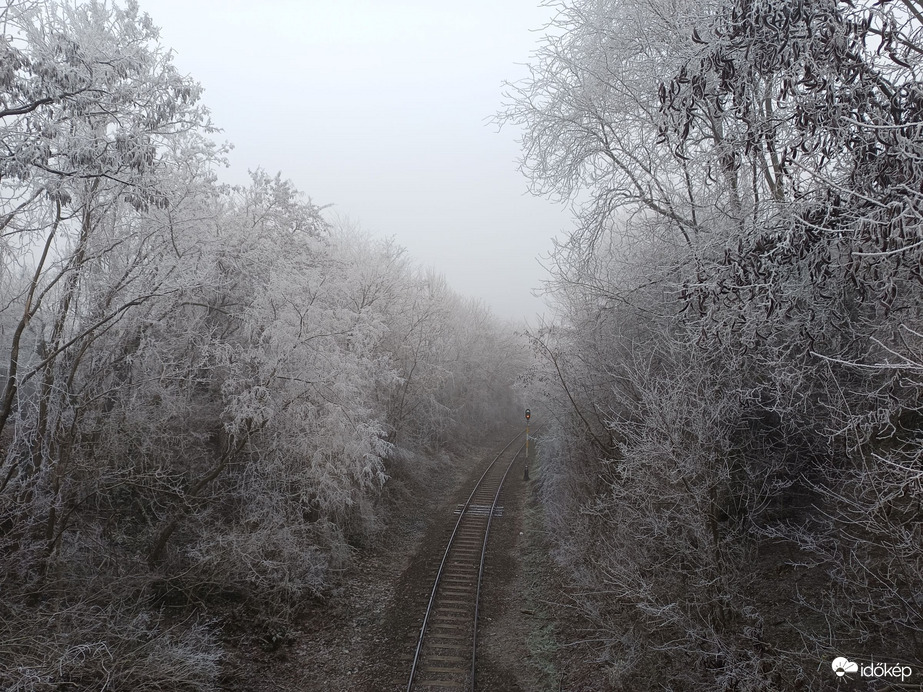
x,y
525,474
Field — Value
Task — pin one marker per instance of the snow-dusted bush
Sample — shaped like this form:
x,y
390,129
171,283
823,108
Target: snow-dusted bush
x,y
103,647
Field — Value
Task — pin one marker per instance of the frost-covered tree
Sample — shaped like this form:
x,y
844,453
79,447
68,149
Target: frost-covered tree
x,y
93,114
738,345
103,140
203,388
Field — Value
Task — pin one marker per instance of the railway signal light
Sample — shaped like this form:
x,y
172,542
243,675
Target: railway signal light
x,y
528,414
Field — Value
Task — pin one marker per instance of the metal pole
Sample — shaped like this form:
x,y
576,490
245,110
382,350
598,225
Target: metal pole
x,y
525,475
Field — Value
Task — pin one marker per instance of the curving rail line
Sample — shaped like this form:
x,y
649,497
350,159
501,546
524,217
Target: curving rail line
x,y
446,652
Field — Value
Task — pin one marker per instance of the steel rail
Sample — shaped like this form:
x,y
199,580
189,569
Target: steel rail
x,y
477,595
445,556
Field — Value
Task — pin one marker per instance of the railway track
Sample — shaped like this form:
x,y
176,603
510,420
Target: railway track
x,y
446,651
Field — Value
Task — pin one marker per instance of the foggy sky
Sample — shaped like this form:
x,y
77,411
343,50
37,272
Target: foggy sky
x,y
380,109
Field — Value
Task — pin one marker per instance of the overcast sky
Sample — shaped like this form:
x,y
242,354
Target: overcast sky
x,y
380,109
